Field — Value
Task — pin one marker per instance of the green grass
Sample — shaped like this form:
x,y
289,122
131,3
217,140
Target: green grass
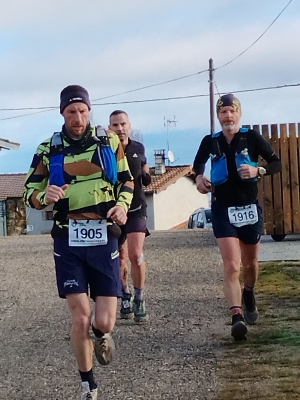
x,y
266,366
281,278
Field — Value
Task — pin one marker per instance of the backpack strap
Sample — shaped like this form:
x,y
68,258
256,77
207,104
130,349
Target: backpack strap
x,y
106,155
242,144
56,141
56,164
216,146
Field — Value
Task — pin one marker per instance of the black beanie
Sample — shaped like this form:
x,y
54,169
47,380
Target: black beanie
x,y
72,94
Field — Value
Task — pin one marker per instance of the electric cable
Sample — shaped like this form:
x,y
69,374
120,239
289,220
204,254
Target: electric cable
x,y
249,47
159,99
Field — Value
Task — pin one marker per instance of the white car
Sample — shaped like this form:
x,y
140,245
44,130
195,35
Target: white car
x,y
200,218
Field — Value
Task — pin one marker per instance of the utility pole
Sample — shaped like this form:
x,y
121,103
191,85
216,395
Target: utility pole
x,y
211,96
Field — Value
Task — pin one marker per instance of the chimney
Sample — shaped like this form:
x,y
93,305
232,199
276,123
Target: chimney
x,y
160,167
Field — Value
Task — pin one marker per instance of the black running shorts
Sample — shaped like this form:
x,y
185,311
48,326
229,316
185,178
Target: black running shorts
x,y
248,234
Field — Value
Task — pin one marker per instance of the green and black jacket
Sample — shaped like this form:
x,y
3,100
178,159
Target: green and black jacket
x,y
89,195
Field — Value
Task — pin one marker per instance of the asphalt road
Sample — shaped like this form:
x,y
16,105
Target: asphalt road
x,y
287,249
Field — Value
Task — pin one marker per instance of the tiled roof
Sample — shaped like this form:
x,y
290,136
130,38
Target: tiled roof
x,y
11,185
172,174
182,225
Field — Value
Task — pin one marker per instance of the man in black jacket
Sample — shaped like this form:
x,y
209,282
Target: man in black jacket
x,y
131,242
236,213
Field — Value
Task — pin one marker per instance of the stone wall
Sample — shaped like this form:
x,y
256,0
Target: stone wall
x,y
16,216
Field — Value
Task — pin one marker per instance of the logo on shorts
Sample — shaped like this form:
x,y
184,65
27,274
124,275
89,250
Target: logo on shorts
x,y
71,283
115,254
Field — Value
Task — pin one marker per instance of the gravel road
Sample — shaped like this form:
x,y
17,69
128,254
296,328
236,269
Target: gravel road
x,y
173,356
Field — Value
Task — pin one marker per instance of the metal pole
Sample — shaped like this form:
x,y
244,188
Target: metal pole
x,y
211,96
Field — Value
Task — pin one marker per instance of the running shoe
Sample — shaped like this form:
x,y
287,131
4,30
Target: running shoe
x,y
86,393
239,329
139,310
126,308
104,349
250,311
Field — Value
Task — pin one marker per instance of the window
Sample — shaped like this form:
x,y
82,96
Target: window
x,y
48,215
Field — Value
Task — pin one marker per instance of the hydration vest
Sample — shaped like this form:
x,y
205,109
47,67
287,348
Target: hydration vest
x,y
219,171
106,155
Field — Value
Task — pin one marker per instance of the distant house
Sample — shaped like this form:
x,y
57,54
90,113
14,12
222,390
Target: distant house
x,y
12,208
15,217
172,196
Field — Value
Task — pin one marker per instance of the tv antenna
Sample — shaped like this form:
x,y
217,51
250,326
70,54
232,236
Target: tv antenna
x,y
169,121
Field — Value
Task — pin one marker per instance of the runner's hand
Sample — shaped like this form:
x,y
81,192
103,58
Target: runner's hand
x,y
247,171
117,214
55,193
203,184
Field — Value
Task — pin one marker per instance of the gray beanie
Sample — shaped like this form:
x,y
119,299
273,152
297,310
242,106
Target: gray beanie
x,y
72,94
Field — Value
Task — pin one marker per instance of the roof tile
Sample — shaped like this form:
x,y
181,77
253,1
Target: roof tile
x,y
11,185
172,174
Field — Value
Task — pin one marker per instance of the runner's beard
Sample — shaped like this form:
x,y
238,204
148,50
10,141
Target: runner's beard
x,y
230,128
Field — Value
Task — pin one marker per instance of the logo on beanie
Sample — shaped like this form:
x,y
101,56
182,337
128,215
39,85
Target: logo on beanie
x,y
75,99
72,94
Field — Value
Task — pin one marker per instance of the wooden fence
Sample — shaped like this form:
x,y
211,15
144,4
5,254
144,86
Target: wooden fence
x,y
279,194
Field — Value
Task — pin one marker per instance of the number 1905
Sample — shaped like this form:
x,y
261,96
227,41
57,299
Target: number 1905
x,y
84,233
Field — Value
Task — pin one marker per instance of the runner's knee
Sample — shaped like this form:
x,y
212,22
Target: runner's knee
x,y
81,323
137,258
105,323
140,259
231,268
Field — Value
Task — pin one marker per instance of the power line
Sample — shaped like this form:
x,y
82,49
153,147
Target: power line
x,y
150,86
155,84
163,99
46,109
249,47
200,72
25,115
197,95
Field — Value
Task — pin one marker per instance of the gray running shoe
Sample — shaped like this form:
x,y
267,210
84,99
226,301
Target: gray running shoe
x,y
104,349
86,393
239,329
250,310
139,310
126,308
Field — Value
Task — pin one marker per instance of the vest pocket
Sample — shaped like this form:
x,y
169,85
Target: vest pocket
x,y
219,171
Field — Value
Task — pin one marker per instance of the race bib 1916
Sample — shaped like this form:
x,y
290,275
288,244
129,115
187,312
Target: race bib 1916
x,y
240,216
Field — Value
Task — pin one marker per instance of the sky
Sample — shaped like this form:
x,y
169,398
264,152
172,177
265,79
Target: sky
x,y
115,48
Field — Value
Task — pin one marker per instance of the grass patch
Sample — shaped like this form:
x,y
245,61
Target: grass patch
x,y
279,278
285,335
266,365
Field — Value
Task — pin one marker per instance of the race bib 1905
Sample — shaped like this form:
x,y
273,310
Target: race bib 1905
x,y
240,216
87,232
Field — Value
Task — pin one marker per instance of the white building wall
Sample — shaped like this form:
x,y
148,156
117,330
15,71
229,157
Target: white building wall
x,y
37,223
175,204
150,211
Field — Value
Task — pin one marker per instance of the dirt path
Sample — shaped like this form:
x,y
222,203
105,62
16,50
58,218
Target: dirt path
x,y
172,357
